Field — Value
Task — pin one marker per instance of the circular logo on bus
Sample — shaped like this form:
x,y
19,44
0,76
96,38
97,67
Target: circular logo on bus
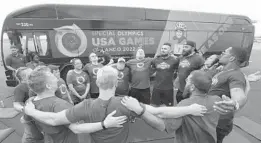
x,y
70,40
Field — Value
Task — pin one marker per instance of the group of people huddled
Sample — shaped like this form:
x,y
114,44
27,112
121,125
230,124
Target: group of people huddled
x,y
101,99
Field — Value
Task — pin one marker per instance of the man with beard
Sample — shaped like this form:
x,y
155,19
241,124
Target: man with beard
x,y
188,129
92,69
140,68
231,85
165,66
189,62
15,60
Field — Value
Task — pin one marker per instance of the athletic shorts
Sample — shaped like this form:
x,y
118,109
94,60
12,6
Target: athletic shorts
x,y
142,95
160,97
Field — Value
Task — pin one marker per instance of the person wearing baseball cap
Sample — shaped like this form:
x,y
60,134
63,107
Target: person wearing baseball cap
x,y
189,62
123,77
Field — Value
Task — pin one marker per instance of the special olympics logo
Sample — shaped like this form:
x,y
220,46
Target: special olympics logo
x,y
95,70
163,66
140,65
63,89
70,40
184,63
120,75
80,80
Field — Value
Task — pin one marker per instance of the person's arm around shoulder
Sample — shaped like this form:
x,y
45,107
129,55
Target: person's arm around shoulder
x,y
180,111
109,122
152,120
72,115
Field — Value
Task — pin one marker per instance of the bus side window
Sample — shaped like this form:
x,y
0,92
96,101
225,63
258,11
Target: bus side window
x,y
38,43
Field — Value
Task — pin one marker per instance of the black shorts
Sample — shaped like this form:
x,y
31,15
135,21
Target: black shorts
x,y
142,95
160,97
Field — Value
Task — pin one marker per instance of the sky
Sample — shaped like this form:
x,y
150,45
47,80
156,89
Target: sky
x,y
250,8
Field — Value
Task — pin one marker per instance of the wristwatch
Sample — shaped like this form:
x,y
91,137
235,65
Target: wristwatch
x,y
143,110
103,126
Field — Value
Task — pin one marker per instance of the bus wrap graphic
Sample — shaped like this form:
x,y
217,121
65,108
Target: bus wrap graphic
x,y
70,40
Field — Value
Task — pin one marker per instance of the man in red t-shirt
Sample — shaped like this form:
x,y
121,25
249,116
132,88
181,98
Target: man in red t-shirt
x,y
230,84
123,77
140,69
15,60
92,69
21,94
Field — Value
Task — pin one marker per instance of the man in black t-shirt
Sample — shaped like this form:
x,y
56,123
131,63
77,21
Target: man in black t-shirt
x,y
189,62
165,66
230,84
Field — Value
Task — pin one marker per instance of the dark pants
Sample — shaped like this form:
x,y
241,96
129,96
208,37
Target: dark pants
x,y
94,95
181,96
160,97
142,95
227,127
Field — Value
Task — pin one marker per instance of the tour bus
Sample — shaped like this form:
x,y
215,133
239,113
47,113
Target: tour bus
x,y
59,33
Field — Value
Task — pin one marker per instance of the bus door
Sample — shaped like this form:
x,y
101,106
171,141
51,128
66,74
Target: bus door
x,y
37,42
247,43
27,42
